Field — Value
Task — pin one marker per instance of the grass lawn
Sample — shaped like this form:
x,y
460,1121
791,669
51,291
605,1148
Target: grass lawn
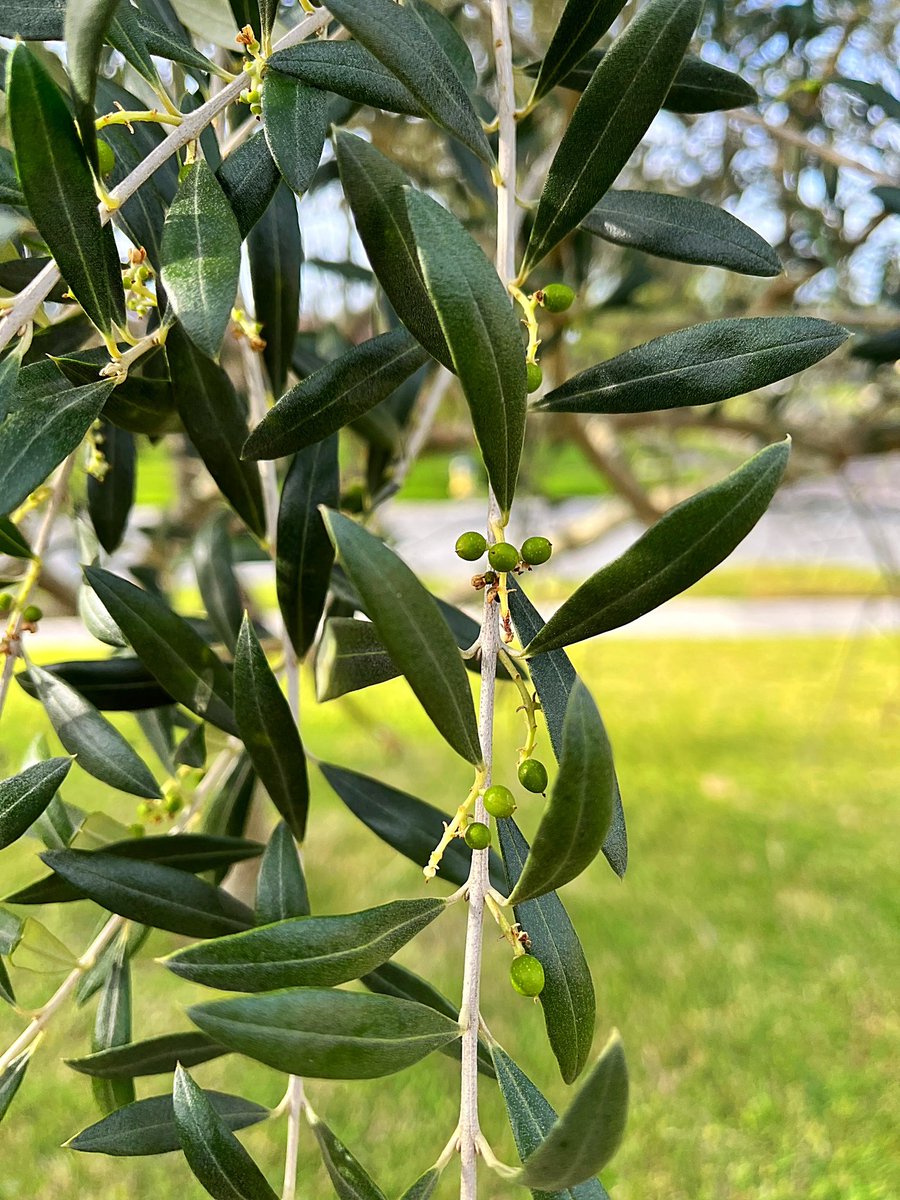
x,y
749,957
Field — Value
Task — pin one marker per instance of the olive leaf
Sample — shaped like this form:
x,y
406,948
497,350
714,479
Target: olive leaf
x,y
410,825
375,190
304,553
411,626
326,1033
336,394
249,177
213,1153
683,229
275,251
11,1080
59,190
581,25
155,1056
281,885
402,41
531,1118
111,496
554,677
24,797
349,70
424,1186
579,811
583,1140
42,431
295,120
306,951
155,895
624,95
214,567
350,1179
84,31
269,732
9,372
483,334
33,20
168,646
699,365
148,1126
112,1029
350,656
201,257
673,554
450,40
568,996
126,34
100,749
12,542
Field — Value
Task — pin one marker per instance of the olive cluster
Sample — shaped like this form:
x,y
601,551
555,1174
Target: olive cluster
x,y
503,556
555,298
30,615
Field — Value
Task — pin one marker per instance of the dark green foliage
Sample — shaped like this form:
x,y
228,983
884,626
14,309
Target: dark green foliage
x,y
276,255
25,796
295,121
156,1056
110,498
148,1126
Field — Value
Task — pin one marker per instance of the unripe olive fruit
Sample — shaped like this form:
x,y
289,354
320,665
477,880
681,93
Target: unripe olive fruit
x,y
471,546
533,775
536,550
478,836
6,602
534,376
106,157
557,297
503,557
499,801
32,614
527,975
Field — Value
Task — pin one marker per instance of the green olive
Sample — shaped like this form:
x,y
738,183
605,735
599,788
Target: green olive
x,y
478,836
533,775
536,550
503,556
32,614
106,157
557,297
534,377
527,975
471,546
499,801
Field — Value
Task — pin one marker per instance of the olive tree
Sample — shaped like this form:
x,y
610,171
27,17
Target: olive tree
x,y
187,176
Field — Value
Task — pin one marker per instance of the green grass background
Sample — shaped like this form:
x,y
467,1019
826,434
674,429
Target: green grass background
x,y
749,957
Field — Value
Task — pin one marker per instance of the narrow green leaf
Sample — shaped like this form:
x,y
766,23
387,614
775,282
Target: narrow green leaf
x,y
229,811
167,41
554,677
582,24
276,256
350,656
249,177
100,749
214,567
531,1119
390,979
40,951
39,434
148,1126
216,422
879,348
119,684
624,95
579,811
17,273
411,626
6,988
304,553
33,20
142,403
25,796
424,1186
111,497
350,1179
699,365
450,40
155,1056
568,996
126,34
194,852
306,951
93,978
375,190
201,257
349,70
483,334
411,826
112,1028
84,32
401,40
281,886
162,897
269,732
679,549
336,394
191,751
9,375
683,229
295,120
213,1153
327,1033
11,1080
587,1135
59,190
